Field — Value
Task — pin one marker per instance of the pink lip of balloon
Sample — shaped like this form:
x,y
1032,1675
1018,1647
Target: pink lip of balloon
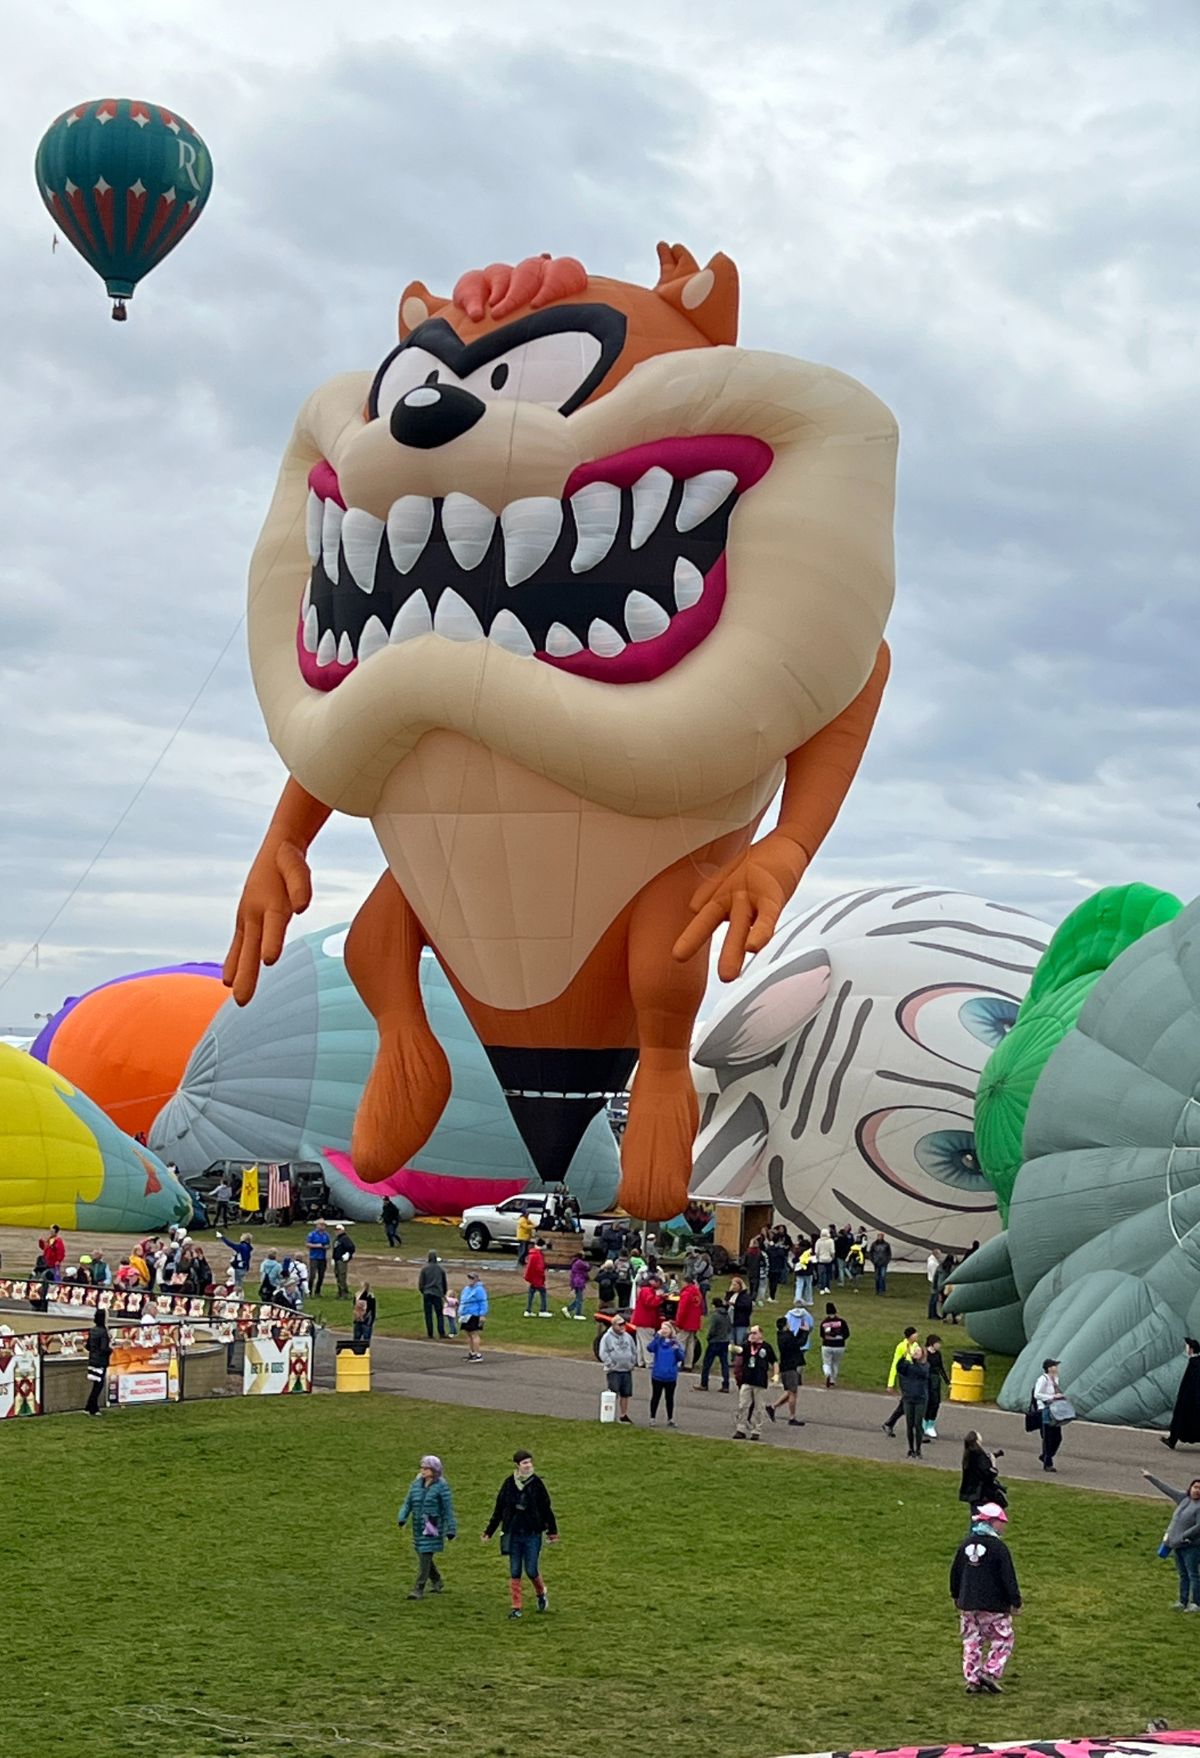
x,y
428,1191
749,459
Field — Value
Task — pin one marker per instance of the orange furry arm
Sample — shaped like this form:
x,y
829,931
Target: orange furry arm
x,y
751,891
279,885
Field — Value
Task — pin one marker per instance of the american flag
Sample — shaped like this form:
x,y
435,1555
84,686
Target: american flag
x,y
279,1187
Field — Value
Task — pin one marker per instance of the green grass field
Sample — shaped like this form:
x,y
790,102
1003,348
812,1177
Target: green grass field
x,y
228,1579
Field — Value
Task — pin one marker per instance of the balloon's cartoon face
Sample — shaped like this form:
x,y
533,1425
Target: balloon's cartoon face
x,y
555,482
838,1077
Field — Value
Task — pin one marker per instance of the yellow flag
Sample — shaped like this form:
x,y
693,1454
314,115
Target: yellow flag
x,y
249,1197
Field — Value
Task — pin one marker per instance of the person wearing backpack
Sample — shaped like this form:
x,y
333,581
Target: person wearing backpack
x,y
430,1507
364,1314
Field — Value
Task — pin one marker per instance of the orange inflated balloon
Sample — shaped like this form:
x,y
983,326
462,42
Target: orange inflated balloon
x,y
127,1043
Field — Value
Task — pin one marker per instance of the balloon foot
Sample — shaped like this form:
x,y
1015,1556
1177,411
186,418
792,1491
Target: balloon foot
x,y
119,313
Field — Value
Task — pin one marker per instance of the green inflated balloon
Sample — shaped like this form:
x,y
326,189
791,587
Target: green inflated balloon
x,y
1086,943
124,180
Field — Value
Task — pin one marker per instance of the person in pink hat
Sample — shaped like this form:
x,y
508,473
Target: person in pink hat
x,y
983,1586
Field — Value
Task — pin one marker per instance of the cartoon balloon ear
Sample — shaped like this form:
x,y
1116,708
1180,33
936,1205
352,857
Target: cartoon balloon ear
x,y
752,1025
707,297
416,304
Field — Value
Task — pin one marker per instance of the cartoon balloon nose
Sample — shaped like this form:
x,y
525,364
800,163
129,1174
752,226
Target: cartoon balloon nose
x,y
433,415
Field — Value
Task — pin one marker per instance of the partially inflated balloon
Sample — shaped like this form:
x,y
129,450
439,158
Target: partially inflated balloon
x,y
63,1163
126,1043
124,180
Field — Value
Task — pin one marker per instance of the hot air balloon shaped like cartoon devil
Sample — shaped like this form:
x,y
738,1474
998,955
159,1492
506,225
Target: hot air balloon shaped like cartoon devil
x,y
124,181
560,597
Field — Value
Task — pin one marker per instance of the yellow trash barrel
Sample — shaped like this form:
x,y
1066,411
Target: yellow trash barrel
x,y
353,1367
966,1377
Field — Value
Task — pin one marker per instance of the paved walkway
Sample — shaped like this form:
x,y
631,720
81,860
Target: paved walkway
x,y
843,1423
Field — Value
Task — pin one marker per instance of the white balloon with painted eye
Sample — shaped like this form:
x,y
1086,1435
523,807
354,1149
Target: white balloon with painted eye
x,y
837,1075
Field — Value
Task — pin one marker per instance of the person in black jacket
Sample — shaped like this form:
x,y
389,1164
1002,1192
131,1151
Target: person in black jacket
x,y
938,1377
913,1374
757,1360
343,1251
389,1214
432,1285
524,1516
983,1585
980,1481
792,1346
99,1354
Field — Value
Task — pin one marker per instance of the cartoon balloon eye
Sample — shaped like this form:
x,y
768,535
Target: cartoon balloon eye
x,y
989,1018
546,369
944,1019
949,1156
408,368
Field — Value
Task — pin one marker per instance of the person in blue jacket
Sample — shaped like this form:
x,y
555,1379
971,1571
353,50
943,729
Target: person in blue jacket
x,y
430,1507
472,1310
666,1359
318,1243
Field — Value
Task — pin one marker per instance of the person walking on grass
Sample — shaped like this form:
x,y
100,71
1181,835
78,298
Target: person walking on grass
x,y
825,1254
666,1358
431,1286
801,1267
1047,1394
430,1507
99,1354
689,1316
904,1347
364,1314
472,1310
980,1480
524,1515
535,1279
318,1243
389,1214
880,1254
792,1345
913,1371
618,1358
578,1276
716,1349
1182,1539
983,1586
835,1334
757,1360
938,1377
1185,1418
343,1253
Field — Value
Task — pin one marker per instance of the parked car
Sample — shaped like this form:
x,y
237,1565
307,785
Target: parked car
x,y
308,1180
495,1224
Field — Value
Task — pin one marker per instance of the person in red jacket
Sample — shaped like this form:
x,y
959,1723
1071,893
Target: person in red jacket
x,y
54,1250
689,1316
535,1276
647,1315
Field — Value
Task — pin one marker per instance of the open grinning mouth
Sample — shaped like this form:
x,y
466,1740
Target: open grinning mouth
x,y
617,581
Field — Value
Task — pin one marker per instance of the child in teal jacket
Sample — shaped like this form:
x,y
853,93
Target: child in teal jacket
x,y
430,1507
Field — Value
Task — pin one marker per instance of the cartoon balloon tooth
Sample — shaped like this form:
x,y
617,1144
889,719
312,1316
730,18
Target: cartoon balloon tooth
x,y
559,597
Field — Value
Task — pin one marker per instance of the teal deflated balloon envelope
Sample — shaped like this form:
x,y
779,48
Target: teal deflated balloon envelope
x,y
124,180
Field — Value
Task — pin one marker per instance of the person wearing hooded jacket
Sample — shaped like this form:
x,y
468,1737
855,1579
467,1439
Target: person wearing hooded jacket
x,y
99,1354
983,1586
689,1316
430,1507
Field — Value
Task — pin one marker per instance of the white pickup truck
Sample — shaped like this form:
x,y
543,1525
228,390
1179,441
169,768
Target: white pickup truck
x,y
490,1224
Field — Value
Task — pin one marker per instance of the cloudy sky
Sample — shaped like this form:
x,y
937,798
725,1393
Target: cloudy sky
x,y
985,211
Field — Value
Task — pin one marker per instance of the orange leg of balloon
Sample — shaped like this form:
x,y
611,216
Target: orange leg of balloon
x,y
410,1082
656,1153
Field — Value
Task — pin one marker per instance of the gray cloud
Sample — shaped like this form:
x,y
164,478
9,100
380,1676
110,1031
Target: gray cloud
x,y
990,226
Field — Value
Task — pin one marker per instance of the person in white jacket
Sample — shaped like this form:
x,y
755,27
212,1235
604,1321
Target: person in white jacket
x,y
1046,1390
825,1252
